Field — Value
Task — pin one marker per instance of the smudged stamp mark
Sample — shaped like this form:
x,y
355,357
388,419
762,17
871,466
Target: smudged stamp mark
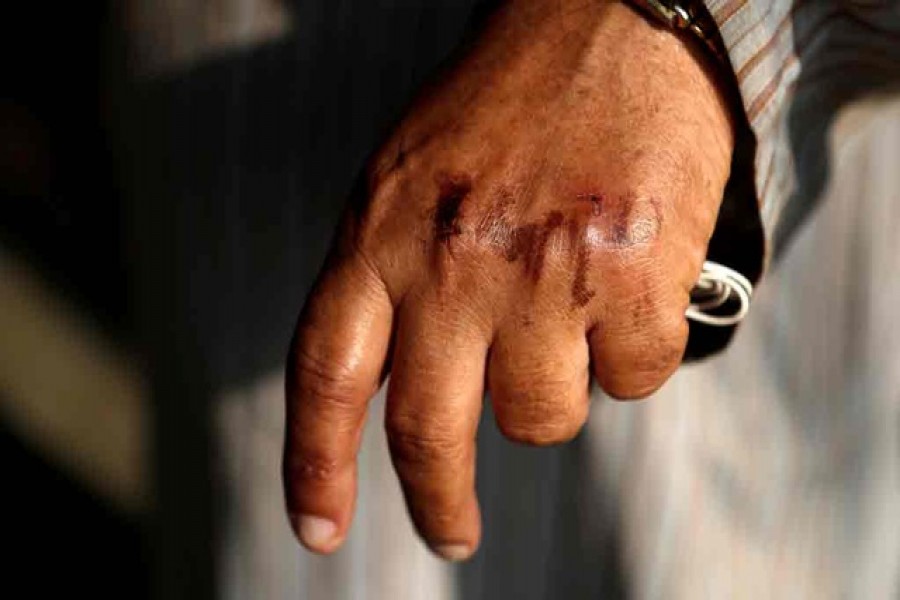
x,y
452,191
596,200
581,293
635,222
621,221
528,243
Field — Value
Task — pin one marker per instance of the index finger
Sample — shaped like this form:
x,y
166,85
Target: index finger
x,y
334,368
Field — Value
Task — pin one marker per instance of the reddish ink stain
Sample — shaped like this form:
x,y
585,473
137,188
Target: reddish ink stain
x,y
528,243
520,240
581,294
631,223
612,223
620,234
596,201
452,192
554,220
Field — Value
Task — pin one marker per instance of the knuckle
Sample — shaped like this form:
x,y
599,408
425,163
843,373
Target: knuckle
x,y
630,221
417,441
327,382
655,310
380,167
661,343
641,372
630,388
371,210
639,360
398,155
542,421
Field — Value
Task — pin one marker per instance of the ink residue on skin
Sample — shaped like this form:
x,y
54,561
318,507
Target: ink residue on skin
x,y
453,190
581,294
604,222
596,201
632,224
526,243
529,243
619,223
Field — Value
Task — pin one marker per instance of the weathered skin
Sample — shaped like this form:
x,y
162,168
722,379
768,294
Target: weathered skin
x,y
540,214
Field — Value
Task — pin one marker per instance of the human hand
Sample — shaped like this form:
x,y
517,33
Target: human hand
x,y
541,213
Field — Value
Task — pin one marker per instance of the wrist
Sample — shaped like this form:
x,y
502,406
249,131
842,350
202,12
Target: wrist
x,y
689,17
617,50
691,46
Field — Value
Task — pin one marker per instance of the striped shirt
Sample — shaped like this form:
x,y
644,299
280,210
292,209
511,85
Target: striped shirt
x,y
796,63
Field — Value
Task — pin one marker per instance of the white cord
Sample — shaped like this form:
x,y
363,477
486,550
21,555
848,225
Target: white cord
x,y
719,284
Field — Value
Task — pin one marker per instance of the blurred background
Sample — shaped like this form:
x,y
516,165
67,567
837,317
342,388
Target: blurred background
x,y
75,416
169,174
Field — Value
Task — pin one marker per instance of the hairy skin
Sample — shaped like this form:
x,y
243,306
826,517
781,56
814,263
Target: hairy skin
x,y
540,215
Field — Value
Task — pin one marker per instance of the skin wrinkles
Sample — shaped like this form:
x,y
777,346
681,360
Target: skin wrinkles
x,y
526,243
495,227
529,243
610,223
622,223
321,470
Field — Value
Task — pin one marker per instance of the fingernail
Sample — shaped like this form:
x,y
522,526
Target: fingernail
x,y
316,532
453,552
